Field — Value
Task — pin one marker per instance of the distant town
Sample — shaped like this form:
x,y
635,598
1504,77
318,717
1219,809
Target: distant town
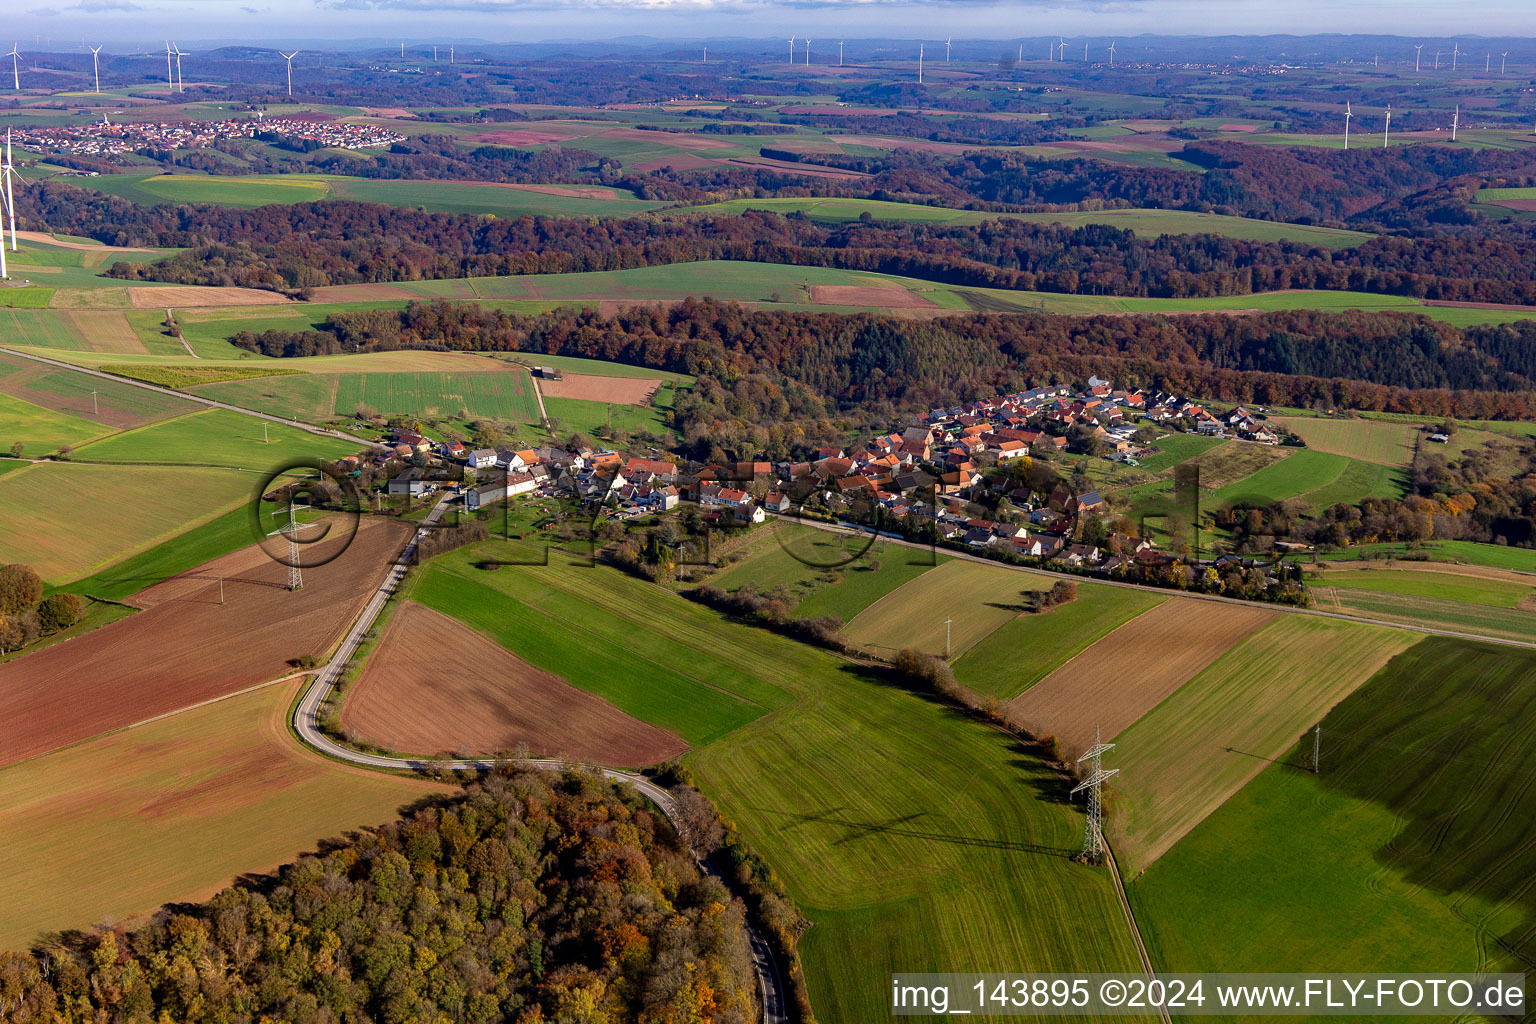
x,y
112,139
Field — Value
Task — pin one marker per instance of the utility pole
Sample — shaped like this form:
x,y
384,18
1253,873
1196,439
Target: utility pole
x,y
947,621
1317,747
263,431
94,410
1093,829
221,590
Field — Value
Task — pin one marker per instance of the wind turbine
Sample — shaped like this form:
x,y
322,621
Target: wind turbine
x,y
1502,57
1455,52
1085,52
450,55
15,66
1455,122
170,85
1062,45
919,63
179,87
289,58
706,55
1021,53
402,49
1487,61
1386,132
1437,59
9,172
1347,115
839,53
96,67
807,52
791,51
951,39
1417,53
1112,54
434,53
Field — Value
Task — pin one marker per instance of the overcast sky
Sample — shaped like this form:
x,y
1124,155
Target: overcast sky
x,y
534,20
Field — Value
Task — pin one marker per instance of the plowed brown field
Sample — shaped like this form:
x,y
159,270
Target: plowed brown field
x,y
185,647
871,295
436,685
1134,668
618,390
193,295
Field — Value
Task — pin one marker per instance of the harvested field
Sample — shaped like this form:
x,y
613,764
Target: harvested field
x,y
861,295
1183,760
527,136
808,170
107,330
618,390
1134,669
186,647
1521,205
360,293
191,295
979,598
1382,442
173,811
434,684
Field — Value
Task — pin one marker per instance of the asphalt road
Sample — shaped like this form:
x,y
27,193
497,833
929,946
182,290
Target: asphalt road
x,y
307,428
306,723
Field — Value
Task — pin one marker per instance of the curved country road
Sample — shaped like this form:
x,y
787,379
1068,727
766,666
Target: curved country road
x,y
306,723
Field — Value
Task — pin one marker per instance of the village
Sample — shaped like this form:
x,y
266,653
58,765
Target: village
x,y
108,139
957,478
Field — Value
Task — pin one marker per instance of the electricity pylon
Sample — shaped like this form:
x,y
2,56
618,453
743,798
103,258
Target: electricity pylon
x,y
291,531
1093,829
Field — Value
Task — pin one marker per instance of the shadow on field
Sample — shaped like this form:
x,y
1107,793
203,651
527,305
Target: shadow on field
x,y
1299,765
907,827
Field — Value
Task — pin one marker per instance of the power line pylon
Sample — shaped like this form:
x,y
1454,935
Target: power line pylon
x,y
291,531
1093,828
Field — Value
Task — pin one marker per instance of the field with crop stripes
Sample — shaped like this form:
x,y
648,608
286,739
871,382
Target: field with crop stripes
x,y
829,779
1194,750
1415,844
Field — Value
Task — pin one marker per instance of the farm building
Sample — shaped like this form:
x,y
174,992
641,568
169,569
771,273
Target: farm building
x,y
547,373
513,484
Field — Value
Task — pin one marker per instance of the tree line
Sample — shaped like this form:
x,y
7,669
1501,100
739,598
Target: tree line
x,y
773,383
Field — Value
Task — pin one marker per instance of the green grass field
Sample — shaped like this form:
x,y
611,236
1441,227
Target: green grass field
x,y
1183,759
814,568
541,614
71,393
1176,448
954,862
320,396
215,437
114,511
1492,593
1413,846
1379,441
595,367
28,297
568,415
41,431
1434,607
1146,223
507,396
1028,648
1320,478
434,196
203,543
1496,556
979,598
38,328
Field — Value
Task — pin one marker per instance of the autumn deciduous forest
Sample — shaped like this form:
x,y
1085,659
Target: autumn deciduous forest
x,y
530,898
